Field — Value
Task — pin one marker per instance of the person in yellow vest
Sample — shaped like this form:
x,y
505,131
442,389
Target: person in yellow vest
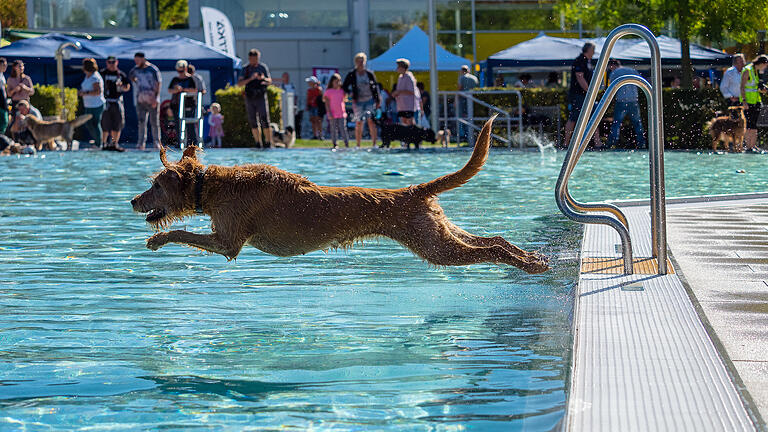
x,y
750,98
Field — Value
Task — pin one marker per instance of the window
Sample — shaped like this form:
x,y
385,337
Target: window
x,y
86,14
283,13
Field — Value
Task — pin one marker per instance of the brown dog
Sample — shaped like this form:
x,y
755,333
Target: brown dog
x,y
728,128
285,214
46,131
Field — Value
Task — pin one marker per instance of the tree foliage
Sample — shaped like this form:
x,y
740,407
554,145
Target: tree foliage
x,y
13,13
173,14
711,20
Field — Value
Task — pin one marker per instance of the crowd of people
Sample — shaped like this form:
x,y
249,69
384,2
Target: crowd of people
x,y
407,103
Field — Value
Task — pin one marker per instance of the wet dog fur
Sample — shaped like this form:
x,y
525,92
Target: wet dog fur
x,y
727,128
45,132
285,214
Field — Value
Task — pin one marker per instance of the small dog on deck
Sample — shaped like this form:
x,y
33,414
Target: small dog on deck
x,y
284,214
45,132
406,134
284,138
728,128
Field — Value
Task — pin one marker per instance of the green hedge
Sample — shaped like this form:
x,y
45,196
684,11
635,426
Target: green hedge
x,y
237,131
685,111
47,99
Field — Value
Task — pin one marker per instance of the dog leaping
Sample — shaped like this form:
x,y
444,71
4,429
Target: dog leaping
x,y
285,214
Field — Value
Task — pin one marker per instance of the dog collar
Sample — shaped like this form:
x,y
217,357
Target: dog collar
x,y
199,192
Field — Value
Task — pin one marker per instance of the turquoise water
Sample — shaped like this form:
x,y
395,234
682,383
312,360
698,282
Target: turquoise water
x,y
98,332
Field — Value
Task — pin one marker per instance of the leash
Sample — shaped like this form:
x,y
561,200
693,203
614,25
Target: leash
x,y
199,192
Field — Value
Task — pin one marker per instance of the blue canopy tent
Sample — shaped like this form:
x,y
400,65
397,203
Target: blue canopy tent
x,y
547,53
414,46
38,56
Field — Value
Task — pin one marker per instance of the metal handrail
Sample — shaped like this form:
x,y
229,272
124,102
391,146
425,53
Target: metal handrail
x,y
198,118
587,125
503,114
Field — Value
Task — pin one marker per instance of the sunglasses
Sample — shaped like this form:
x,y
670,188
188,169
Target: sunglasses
x,y
111,61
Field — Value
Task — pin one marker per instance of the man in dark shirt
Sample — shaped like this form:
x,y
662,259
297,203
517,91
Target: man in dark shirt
x,y
581,75
4,114
183,85
116,83
256,79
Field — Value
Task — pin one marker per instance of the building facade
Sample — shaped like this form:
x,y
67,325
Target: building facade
x,y
300,36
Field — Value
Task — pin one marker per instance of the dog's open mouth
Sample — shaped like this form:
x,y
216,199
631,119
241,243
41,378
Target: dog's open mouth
x,y
156,215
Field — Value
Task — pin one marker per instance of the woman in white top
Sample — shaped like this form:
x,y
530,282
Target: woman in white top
x,y
92,92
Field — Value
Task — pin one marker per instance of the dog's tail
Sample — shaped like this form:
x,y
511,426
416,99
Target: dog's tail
x,y
476,161
80,120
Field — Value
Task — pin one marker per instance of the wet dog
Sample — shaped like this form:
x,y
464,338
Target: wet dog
x,y
284,214
406,134
728,128
45,132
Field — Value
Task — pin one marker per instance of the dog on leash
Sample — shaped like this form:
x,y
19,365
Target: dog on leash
x,y
283,138
731,127
406,134
284,214
45,132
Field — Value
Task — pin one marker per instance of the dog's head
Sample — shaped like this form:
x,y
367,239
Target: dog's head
x,y
736,112
172,194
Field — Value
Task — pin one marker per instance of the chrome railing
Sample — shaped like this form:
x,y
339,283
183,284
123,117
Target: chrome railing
x,y
469,100
586,126
198,118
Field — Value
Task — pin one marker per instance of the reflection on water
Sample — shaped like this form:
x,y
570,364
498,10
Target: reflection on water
x,y
98,331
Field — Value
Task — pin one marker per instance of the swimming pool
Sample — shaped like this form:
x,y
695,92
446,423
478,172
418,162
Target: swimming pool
x,y
97,331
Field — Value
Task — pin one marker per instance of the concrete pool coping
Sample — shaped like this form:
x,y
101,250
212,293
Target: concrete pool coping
x,y
661,352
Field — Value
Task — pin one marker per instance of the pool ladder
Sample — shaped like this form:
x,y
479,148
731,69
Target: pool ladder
x,y
587,124
183,121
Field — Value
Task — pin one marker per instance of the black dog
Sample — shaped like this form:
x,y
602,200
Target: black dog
x,y
406,134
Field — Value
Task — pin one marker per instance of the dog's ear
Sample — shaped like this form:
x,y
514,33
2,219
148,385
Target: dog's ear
x,y
163,157
190,152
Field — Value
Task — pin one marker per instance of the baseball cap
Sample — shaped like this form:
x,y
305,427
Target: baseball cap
x,y
111,58
404,61
181,64
312,79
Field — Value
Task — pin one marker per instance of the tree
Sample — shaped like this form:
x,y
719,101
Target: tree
x,y
712,20
13,13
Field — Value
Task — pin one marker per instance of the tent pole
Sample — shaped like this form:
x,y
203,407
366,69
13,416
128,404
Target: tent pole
x,y
433,66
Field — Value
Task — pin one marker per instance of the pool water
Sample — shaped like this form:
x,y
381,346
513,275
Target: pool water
x,y
98,332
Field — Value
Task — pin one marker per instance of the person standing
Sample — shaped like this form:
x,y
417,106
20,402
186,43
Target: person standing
x,y
750,98
626,105
581,75
361,84
467,82
255,78
199,81
216,123
19,84
92,92
730,85
334,99
406,94
426,103
4,114
113,119
147,80
183,85
315,95
285,83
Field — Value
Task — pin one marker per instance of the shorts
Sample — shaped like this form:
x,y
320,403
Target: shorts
x,y
575,103
113,117
406,114
314,112
363,110
258,114
752,114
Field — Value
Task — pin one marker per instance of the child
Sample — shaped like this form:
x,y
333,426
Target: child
x,y
216,122
334,99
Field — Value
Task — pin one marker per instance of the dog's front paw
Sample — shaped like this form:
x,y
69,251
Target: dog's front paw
x,y
537,264
157,241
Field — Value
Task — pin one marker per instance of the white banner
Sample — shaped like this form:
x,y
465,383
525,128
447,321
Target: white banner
x,y
219,33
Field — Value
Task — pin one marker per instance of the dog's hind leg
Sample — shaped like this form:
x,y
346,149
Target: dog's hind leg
x,y
474,240
433,241
208,242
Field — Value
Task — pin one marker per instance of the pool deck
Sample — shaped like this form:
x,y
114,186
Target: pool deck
x,y
680,352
